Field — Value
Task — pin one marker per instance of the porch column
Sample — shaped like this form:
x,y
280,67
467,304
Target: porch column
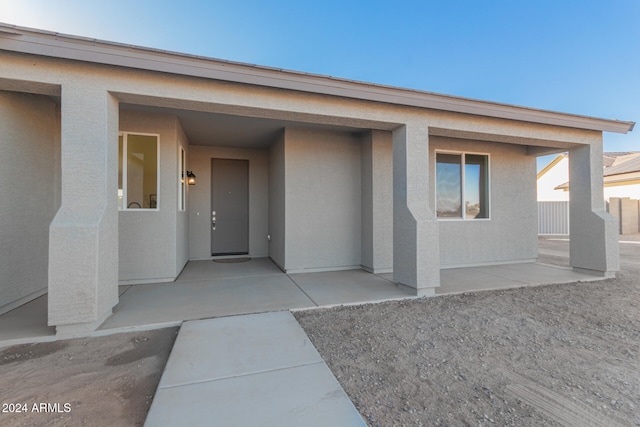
x,y
593,231
83,236
416,254
377,202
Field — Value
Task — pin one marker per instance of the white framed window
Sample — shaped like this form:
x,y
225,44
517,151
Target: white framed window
x,y
138,171
462,185
182,179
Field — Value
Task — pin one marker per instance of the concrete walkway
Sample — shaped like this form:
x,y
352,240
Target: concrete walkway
x,y
250,370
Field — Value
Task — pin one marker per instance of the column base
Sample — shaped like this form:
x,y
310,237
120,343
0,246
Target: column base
x,y
377,270
597,273
75,330
419,292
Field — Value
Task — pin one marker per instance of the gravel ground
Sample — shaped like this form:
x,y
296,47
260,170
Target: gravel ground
x,y
552,355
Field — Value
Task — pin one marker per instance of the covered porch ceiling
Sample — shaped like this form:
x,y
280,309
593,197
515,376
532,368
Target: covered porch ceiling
x,y
535,146
228,130
232,130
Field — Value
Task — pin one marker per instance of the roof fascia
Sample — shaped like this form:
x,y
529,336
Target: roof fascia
x,y
622,182
43,43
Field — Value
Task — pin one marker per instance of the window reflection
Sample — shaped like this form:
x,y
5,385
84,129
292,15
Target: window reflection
x,y
448,185
452,170
475,186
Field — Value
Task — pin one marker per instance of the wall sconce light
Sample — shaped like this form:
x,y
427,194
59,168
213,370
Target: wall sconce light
x,y
191,178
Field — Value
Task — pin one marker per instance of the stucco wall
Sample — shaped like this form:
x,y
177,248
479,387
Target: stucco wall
x,y
511,233
629,216
200,198
147,239
277,213
627,212
632,191
323,200
29,194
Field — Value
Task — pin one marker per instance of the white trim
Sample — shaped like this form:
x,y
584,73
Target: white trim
x,y
182,179
462,155
124,208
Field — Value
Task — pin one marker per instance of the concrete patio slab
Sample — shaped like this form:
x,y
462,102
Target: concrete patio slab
x,y
471,279
228,384
485,278
166,302
536,274
458,280
213,349
27,321
211,270
258,286
345,287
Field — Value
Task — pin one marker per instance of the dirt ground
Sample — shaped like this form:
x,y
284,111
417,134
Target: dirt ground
x,y
101,381
554,355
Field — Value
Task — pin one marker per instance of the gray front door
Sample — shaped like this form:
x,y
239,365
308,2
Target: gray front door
x,y
229,207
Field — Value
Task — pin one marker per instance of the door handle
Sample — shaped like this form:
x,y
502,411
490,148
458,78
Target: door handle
x,y
213,220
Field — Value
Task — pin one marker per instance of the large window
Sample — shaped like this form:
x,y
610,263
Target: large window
x,y
462,186
137,171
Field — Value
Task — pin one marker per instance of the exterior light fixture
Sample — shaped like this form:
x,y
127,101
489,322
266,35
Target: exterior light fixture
x,y
191,178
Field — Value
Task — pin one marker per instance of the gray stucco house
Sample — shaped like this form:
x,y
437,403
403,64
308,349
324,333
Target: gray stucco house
x,y
97,140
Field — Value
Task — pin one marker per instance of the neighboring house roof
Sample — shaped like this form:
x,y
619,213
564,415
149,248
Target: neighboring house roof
x,y
612,157
630,163
46,43
552,164
619,168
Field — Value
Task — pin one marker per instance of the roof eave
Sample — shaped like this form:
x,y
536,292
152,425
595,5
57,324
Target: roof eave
x,y
44,43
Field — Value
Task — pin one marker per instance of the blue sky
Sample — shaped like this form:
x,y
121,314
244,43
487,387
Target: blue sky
x,y
577,56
